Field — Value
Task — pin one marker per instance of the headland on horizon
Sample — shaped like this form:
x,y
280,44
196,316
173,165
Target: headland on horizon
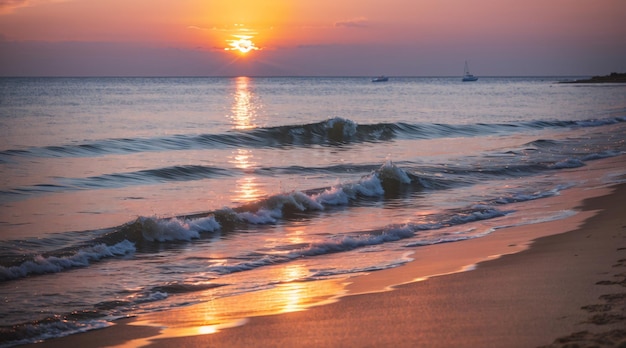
x,y
611,78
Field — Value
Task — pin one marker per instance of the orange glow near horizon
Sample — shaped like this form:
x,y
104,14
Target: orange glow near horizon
x,y
281,23
309,37
244,26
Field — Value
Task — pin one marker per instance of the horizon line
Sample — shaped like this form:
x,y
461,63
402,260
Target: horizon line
x,y
289,76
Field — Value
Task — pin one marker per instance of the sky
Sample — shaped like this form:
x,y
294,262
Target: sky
x,y
311,37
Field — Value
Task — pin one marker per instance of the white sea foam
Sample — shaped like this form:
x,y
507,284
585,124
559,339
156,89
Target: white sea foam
x,y
523,197
150,297
600,122
349,127
326,273
568,163
163,230
332,196
369,186
391,171
340,243
53,264
54,329
563,214
600,155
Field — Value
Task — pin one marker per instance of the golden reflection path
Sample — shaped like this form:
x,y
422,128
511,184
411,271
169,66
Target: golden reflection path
x,y
216,314
246,104
247,188
243,114
289,294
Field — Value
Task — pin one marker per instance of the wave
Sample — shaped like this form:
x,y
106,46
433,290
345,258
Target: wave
x,y
180,287
549,156
388,181
332,132
48,328
119,180
124,240
100,316
53,264
343,243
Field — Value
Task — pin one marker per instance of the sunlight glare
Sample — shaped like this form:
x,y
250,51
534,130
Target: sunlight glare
x,y
245,105
241,44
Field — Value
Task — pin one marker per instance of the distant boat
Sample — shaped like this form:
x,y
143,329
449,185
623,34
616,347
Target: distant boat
x,y
380,79
467,77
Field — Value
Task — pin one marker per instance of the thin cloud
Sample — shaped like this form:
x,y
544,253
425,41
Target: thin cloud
x,y
9,6
237,28
197,28
359,22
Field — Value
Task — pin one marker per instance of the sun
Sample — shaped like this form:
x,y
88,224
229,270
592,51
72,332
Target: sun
x,y
241,44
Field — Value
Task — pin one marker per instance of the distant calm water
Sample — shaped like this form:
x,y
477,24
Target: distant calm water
x,y
121,196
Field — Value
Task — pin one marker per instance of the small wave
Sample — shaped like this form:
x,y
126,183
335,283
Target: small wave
x,y
601,155
151,296
328,273
560,215
517,197
40,330
176,229
179,288
386,178
167,174
119,180
53,264
342,243
567,163
541,143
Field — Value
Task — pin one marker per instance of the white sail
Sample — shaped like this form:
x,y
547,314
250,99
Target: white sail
x,y
467,76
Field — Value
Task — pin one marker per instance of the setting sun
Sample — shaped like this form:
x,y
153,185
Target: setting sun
x,y
242,44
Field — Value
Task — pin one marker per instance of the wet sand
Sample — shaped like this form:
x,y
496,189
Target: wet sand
x,y
563,289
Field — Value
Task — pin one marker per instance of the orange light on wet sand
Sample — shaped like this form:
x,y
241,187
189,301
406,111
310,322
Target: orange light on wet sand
x,y
215,314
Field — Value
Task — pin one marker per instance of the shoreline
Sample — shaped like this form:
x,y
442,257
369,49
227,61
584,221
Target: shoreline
x,y
527,294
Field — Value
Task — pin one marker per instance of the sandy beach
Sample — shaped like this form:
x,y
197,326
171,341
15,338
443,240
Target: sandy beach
x,y
564,289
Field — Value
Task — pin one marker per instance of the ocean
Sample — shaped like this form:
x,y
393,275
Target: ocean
x,y
122,197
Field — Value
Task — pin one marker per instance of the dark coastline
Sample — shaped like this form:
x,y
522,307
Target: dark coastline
x,y
612,78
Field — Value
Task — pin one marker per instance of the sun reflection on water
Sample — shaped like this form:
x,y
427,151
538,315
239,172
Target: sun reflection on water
x,y
247,188
291,294
243,115
290,290
245,105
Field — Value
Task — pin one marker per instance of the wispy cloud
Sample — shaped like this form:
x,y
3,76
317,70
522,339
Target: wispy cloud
x,y
359,22
195,27
8,6
237,28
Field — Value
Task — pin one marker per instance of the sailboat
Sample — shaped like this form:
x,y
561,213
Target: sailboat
x,y
467,77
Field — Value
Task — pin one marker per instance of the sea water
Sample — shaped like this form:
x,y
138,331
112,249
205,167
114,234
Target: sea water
x,y
123,196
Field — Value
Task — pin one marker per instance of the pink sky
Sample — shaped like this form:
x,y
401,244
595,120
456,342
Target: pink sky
x,y
312,37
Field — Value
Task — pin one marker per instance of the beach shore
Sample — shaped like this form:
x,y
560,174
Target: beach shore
x,y
563,289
